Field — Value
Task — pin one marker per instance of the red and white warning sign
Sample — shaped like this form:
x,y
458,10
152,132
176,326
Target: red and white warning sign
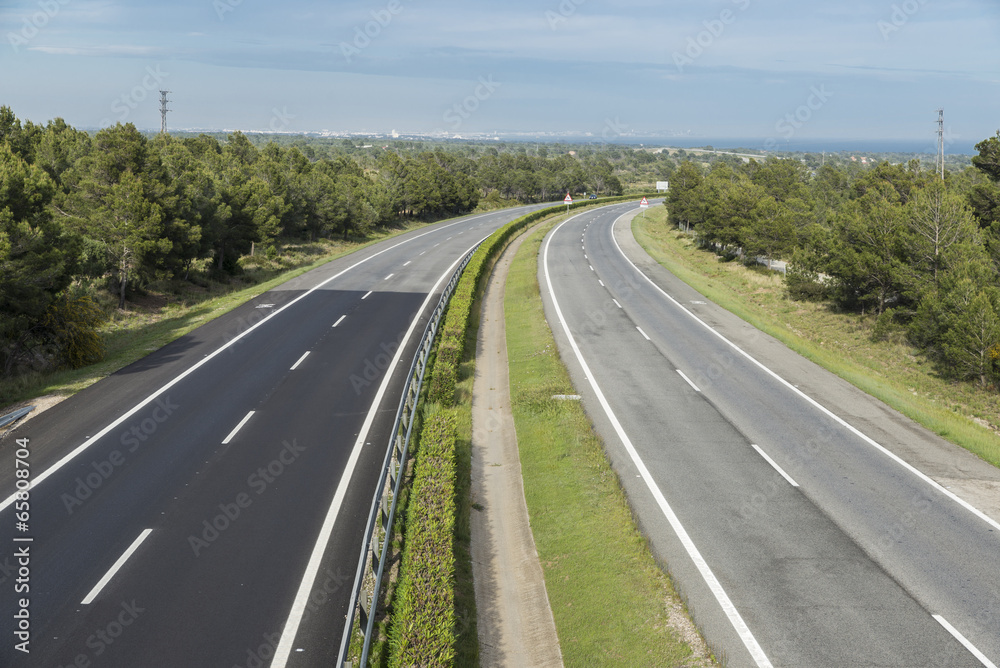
x,y
644,204
568,199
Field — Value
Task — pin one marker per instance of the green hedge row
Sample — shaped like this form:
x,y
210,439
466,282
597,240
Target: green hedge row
x,y
422,633
423,626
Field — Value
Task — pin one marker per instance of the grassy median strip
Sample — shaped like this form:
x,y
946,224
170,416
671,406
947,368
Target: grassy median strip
x,y
890,370
611,602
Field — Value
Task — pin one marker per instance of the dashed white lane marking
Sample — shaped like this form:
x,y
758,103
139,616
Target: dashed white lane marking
x,y
339,320
643,333
367,294
407,262
388,277
689,381
301,359
115,567
774,465
616,303
233,433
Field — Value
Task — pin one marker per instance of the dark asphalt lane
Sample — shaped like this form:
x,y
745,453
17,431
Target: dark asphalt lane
x,y
234,515
845,569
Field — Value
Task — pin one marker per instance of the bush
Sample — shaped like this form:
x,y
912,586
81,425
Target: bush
x,y
804,285
426,596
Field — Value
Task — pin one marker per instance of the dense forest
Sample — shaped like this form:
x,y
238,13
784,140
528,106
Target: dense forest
x,y
919,252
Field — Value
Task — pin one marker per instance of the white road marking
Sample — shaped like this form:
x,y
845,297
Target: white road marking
x,y
388,277
706,572
643,333
91,440
823,409
233,433
965,642
616,302
774,465
591,267
298,609
367,294
689,381
296,365
339,320
115,567
601,282
407,262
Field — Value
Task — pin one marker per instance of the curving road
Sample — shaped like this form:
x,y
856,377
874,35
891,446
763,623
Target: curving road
x,y
205,505
772,488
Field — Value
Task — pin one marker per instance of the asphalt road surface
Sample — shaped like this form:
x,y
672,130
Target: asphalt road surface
x,y
205,505
797,537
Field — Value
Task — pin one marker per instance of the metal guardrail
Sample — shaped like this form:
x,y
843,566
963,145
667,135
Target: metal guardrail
x,y
11,418
378,533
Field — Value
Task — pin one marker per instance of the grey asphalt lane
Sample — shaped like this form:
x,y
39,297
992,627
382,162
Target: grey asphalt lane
x,y
233,470
843,557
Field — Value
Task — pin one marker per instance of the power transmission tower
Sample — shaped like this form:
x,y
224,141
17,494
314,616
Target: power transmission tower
x,y
941,142
163,111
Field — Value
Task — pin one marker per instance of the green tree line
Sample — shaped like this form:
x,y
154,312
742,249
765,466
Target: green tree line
x,y
120,210
919,252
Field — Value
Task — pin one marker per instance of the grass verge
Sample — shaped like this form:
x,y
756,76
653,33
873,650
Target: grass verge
x,y
612,604
891,371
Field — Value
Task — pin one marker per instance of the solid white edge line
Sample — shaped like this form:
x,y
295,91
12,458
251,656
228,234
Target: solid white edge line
x,y
689,381
367,294
756,652
115,567
774,465
339,320
301,359
826,411
218,351
238,427
644,334
965,642
291,626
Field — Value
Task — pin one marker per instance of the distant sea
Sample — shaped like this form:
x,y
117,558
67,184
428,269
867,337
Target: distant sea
x,y
928,145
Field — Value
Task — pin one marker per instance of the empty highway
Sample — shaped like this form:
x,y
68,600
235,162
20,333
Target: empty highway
x,y
204,506
772,488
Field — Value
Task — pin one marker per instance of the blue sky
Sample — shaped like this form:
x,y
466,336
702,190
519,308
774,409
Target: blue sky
x,y
778,69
